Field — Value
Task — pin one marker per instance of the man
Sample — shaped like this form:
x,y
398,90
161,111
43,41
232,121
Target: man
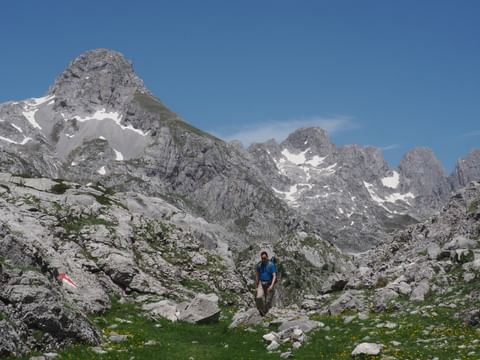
x,y
265,277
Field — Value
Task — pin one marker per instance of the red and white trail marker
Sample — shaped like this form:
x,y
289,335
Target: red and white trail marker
x,y
66,279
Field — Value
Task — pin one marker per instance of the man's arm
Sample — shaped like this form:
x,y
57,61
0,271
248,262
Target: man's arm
x,y
274,280
257,278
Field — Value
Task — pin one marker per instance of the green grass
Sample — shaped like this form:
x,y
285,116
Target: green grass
x,y
431,332
173,340
153,105
195,284
75,225
421,337
310,241
473,206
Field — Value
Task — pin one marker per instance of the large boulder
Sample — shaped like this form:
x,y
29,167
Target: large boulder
x,y
419,293
349,300
165,308
120,267
383,297
367,349
246,318
305,325
460,242
43,310
10,343
202,309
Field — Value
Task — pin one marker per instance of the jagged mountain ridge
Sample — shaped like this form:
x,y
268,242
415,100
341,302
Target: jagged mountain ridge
x,y
98,122
350,194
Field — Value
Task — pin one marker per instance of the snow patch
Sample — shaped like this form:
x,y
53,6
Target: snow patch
x,y
397,196
102,170
31,107
102,138
74,163
392,198
316,160
118,155
25,140
391,181
115,116
288,195
33,102
297,159
30,116
69,135
329,170
19,129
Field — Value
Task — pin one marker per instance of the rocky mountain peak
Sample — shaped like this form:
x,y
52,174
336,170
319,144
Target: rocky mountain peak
x,y
97,77
422,173
313,138
467,169
421,161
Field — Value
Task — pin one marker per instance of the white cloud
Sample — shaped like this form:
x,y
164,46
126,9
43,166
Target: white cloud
x,y
390,147
279,130
472,133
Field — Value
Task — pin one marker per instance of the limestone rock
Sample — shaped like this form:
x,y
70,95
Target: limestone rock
x,y
367,349
305,325
347,301
418,294
202,309
246,318
165,308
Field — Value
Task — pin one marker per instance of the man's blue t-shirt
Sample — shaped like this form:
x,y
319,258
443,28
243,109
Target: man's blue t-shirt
x,y
266,270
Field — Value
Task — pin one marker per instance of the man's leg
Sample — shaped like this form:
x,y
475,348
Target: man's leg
x,y
260,299
268,300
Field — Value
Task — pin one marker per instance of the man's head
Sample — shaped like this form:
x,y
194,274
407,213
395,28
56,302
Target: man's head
x,y
264,256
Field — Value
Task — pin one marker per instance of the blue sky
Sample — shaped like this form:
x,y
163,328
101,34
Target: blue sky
x,y
392,74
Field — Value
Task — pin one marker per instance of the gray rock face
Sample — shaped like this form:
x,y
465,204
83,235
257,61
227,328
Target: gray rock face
x,y
349,194
100,77
423,175
41,310
466,170
63,255
418,261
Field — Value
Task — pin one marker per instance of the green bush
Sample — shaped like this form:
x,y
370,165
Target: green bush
x,y
59,188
